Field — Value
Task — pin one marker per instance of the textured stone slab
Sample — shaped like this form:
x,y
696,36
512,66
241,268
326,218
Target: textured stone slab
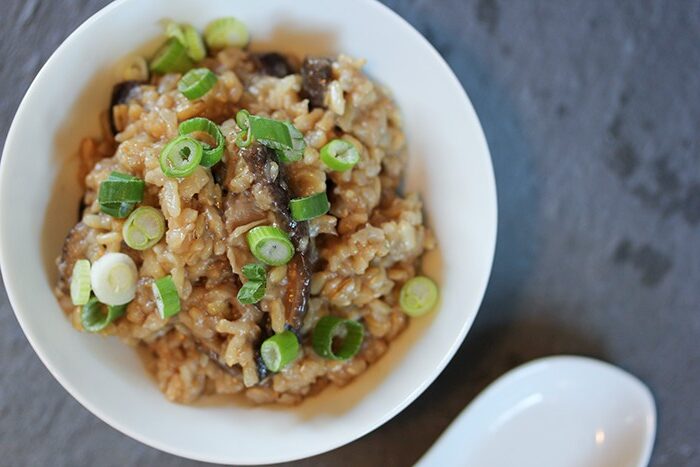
x,y
592,110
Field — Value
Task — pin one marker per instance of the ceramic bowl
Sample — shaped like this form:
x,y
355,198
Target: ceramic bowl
x,y
449,164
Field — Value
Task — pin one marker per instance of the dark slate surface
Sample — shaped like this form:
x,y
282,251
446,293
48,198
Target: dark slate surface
x,y
592,112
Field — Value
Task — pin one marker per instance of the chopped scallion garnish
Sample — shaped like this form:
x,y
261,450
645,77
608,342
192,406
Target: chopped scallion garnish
x,y
196,83
166,296
174,30
340,155
180,157
95,318
80,282
281,136
171,58
309,207
336,338
210,155
270,245
119,194
226,32
113,278
279,350
418,296
144,228
194,43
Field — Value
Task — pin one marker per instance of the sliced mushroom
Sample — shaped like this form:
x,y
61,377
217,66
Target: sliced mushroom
x,y
316,74
271,179
121,94
273,64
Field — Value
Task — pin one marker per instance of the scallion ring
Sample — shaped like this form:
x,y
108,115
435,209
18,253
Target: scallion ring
x,y
245,137
171,58
279,350
194,43
174,30
281,136
226,32
295,152
309,207
80,282
196,83
340,155
119,194
270,132
270,245
113,278
144,228
180,157
166,296
210,155
95,318
418,296
336,338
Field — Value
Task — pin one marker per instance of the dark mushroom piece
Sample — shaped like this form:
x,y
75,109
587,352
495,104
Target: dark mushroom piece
x,y
271,174
121,94
273,64
316,73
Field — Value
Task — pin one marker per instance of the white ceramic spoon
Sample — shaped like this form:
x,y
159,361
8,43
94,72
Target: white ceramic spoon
x,y
559,411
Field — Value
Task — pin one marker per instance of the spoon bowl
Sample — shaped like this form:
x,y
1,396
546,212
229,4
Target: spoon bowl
x,y
562,411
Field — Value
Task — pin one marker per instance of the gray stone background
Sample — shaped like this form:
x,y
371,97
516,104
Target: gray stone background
x,y
592,113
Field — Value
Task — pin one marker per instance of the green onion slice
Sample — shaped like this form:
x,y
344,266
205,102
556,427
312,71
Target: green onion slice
x,y
270,245
119,194
113,278
167,298
283,137
174,30
171,58
336,338
296,152
271,133
226,32
251,292
194,43
198,125
180,157
309,207
254,272
340,155
80,282
119,211
418,296
144,228
196,83
95,318
279,350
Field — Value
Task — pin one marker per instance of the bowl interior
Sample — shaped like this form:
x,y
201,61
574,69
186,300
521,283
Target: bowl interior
x,y
39,193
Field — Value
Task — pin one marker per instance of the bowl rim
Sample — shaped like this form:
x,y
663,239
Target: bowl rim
x,y
42,352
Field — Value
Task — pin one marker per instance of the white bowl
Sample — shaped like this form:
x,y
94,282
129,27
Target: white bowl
x,y
39,193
